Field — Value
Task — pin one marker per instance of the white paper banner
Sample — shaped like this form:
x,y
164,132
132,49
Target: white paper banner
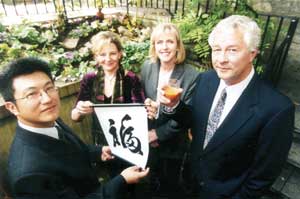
x,y
125,128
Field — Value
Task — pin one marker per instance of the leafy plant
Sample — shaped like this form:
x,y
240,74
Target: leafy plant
x,y
27,34
196,27
81,31
2,28
194,31
44,40
134,55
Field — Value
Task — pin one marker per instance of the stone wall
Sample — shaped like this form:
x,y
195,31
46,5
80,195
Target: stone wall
x,y
290,79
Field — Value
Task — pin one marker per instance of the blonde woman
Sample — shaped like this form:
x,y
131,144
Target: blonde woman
x,y
168,143
110,84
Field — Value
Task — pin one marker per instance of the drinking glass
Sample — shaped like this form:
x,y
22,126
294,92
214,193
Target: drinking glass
x,y
172,89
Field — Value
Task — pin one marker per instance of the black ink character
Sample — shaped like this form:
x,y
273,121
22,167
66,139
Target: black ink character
x,y
122,135
113,132
132,142
127,139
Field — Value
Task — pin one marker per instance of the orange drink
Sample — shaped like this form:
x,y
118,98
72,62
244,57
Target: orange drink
x,y
171,92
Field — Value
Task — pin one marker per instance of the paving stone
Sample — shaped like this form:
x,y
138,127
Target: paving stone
x,y
292,187
282,179
294,154
70,43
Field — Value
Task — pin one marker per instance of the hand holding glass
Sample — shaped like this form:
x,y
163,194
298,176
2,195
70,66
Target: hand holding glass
x,y
172,90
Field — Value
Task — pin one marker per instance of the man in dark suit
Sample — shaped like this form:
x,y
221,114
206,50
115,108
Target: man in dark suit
x,y
47,160
241,126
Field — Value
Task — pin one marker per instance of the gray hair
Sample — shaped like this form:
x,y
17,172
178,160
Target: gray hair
x,y
249,28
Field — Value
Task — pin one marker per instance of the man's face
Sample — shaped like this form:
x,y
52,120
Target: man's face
x,y
231,58
37,101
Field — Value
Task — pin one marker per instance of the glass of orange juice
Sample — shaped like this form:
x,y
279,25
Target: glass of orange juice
x,y
172,89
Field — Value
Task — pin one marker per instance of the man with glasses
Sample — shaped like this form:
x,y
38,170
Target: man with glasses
x,y
41,164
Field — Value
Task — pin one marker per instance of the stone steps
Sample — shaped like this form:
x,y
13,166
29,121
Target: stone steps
x,y
288,183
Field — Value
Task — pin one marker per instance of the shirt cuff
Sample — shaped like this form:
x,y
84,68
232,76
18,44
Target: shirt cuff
x,y
170,110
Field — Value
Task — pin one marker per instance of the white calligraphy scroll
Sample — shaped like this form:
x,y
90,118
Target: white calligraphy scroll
x,y
125,128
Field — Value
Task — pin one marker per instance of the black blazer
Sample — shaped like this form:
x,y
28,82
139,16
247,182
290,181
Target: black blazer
x,y
44,167
249,149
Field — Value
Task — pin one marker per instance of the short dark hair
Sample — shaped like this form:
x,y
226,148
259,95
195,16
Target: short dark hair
x,y
22,66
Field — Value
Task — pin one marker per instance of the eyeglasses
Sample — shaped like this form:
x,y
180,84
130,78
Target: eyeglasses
x,y
36,95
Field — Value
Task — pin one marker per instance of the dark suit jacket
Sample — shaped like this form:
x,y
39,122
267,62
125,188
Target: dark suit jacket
x,y
44,167
249,149
169,133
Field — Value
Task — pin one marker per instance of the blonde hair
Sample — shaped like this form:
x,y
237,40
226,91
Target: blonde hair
x,y
103,38
246,25
163,28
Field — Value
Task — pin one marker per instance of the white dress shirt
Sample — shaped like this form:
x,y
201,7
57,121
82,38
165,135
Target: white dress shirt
x,y
51,131
233,94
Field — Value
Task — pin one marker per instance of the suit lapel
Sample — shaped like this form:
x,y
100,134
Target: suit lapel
x,y
44,142
154,74
50,144
177,72
207,95
74,139
235,120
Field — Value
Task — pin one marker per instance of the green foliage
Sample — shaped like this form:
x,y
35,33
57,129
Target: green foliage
x,y
195,31
196,27
82,30
24,40
259,69
134,55
27,34
4,48
71,65
49,36
45,41
2,28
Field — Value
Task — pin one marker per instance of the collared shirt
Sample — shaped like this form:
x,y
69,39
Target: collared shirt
x,y
233,94
51,131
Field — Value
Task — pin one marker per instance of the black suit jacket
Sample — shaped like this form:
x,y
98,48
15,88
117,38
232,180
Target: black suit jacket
x,y
248,150
44,167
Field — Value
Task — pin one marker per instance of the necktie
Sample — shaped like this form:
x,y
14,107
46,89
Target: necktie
x,y
61,134
214,118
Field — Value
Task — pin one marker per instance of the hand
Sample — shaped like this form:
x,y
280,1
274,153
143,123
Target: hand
x,y
84,107
153,139
134,174
106,154
151,108
154,144
169,102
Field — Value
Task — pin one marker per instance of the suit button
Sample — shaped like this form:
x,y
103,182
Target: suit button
x,y
202,183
